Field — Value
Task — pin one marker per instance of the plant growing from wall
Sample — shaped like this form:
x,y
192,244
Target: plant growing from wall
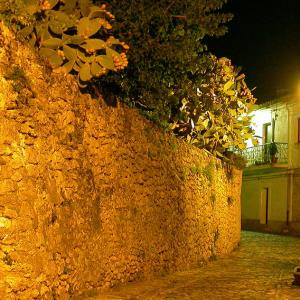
x,y
235,159
18,76
195,169
230,200
213,199
208,171
72,35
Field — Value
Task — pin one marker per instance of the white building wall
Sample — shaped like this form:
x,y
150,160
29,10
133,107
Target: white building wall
x,y
294,146
278,113
259,117
284,185
281,124
278,197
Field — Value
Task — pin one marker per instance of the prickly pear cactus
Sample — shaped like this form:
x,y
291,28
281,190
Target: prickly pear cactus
x,y
74,36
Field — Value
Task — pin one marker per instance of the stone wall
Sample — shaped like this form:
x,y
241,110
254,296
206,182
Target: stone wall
x,y
92,196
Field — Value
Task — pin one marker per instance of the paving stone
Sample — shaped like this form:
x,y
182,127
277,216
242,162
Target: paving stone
x,y
261,268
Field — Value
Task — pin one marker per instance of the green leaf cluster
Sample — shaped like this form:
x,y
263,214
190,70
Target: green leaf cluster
x,y
273,149
72,35
215,113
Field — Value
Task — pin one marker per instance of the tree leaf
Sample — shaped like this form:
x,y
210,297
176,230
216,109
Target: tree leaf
x,y
31,7
53,43
87,27
52,3
70,53
228,85
106,61
73,39
32,40
94,44
96,12
56,27
68,67
69,6
230,92
114,41
25,32
80,83
53,57
84,7
96,69
85,72
76,67
61,17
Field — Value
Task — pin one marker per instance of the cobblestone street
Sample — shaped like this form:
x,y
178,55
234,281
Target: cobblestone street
x,y
260,269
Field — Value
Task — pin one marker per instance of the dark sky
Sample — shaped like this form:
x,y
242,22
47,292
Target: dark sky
x,y
264,39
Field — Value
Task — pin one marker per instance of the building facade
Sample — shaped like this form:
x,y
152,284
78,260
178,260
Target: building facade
x,y
271,180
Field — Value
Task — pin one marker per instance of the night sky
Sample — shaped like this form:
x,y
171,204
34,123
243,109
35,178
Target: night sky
x,y
264,39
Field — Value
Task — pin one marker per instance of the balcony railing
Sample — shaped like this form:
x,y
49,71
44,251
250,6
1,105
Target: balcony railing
x,y
260,155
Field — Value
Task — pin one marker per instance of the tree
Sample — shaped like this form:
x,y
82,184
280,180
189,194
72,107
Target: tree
x,y
214,114
173,78
166,39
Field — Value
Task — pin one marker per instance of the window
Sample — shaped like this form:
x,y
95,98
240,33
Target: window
x,y
267,133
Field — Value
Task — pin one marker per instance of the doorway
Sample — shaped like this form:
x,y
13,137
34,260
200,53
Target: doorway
x,y
267,133
264,206
267,139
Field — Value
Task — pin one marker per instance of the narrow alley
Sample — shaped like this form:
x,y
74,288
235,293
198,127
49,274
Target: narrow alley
x,y
262,268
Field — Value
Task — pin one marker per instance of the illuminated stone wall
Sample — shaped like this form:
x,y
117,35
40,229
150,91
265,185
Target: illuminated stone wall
x,y
91,196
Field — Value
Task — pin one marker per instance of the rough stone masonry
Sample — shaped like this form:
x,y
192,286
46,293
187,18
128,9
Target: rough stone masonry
x,y
93,196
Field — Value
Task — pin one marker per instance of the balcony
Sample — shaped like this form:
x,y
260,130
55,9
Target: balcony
x,y
260,155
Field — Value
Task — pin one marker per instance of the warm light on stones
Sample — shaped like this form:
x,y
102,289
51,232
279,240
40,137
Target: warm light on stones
x,y
72,197
2,101
5,222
